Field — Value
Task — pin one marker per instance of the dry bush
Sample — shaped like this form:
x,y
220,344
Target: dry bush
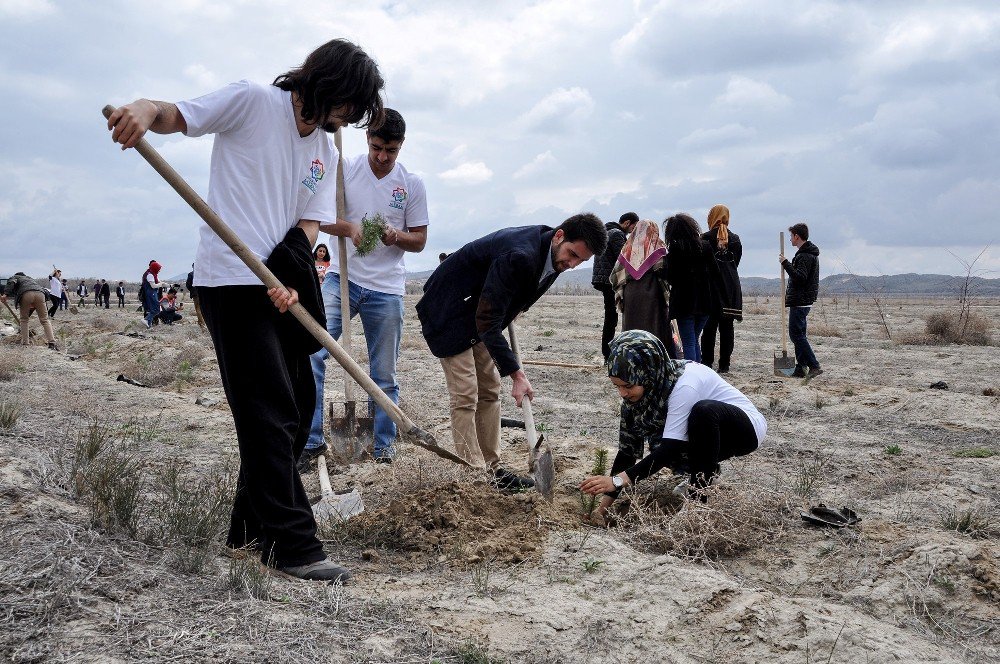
x,y
757,309
824,329
949,328
105,324
916,339
10,362
737,517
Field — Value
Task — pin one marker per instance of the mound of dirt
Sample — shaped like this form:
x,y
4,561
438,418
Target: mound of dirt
x,y
458,522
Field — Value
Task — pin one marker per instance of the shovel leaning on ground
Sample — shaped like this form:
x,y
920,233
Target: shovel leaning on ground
x,y
539,460
783,365
409,430
334,505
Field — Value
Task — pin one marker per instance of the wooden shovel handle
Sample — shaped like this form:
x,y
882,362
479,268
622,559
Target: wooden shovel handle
x,y
416,434
781,303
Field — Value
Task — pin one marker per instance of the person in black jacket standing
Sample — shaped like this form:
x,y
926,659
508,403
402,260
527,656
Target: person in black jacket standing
x,y
469,301
120,292
803,288
604,263
690,267
106,293
728,251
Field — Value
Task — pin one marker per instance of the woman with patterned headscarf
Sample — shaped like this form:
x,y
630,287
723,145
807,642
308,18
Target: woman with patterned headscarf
x,y
639,280
685,413
728,251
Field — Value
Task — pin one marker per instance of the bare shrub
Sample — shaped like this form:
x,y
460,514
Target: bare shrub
x,y
190,514
10,362
736,518
109,476
193,353
143,367
973,328
824,329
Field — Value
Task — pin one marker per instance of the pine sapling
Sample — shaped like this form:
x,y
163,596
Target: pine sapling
x,y
372,230
589,503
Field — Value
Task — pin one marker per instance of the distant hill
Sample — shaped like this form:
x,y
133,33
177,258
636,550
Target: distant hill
x,y
835,284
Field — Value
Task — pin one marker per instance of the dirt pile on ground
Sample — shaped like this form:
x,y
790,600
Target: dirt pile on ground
x,y
459,522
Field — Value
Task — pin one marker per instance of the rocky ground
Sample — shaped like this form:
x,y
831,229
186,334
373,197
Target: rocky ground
x,y
113,494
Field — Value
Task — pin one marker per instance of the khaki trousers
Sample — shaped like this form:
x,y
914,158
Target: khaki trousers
x,y
474,393
35,300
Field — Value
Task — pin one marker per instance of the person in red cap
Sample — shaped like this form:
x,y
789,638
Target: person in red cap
x,y
150,289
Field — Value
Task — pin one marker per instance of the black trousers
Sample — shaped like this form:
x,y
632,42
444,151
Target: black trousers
x,y
727,340
610,318
271,393
121,301
716,431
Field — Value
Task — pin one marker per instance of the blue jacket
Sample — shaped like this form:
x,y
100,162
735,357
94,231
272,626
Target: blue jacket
x,y
478,290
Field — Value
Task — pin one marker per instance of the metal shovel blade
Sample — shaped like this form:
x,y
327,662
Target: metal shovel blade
x,y
338,506
545,473
783,364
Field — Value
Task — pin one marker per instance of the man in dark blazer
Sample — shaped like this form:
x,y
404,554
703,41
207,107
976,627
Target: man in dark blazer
x,y
106,293
469,301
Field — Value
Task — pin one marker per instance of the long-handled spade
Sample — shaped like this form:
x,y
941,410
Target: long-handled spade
x,y
346,431
409,430
539,460
783,365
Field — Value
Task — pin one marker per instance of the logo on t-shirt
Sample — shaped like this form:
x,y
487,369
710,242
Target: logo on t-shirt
x,y
398,198
316,173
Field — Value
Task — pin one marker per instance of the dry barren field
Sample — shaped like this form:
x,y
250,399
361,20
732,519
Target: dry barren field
x,y
113,497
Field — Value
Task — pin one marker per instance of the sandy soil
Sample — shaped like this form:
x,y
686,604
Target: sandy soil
x,y
448,570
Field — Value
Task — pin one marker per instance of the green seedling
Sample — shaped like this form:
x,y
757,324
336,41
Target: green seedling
x,y
893,450
372,230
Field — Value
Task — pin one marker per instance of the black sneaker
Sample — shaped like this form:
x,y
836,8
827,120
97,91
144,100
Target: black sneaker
x,y
305,461
815,371
508,482
800,371
321,570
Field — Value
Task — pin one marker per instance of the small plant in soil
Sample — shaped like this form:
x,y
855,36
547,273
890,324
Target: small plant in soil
x,y
590,565
893,450
975,453
372,230
549,333
600,467
975,522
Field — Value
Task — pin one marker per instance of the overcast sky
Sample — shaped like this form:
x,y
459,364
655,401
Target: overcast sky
x,y
876,123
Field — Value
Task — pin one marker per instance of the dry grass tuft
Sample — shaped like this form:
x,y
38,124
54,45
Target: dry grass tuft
x,y
824,329
10,362
949,328
10,411
737,517
149,370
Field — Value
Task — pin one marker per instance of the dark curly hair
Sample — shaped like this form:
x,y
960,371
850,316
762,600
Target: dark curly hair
x,y
338,73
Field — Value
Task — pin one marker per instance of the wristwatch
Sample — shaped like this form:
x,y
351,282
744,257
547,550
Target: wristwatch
x,y
617,481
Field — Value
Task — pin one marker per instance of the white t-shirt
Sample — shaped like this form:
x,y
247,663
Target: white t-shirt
x,y
699,382
55,286
401,198
264,176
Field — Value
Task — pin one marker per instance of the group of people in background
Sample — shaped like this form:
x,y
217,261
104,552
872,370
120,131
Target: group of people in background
x,y
683,287
101,292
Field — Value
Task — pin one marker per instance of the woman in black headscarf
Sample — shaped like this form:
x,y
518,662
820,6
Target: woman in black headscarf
x,y
688,417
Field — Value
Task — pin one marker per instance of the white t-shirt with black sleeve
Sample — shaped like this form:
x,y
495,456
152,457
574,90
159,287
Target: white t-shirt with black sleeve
x,y
700,382
264,176
401,198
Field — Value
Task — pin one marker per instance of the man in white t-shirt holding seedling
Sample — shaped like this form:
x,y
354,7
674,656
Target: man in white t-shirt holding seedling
x,y
376,187
271,182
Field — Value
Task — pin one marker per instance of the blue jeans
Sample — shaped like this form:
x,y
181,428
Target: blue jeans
x,y
382,320
804,356
152,305
690,328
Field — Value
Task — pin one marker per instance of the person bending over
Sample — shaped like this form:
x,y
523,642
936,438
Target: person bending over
x,y
689,417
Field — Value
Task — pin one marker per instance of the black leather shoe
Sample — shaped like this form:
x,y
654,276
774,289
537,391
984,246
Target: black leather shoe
x,y
799,372
305,461
508,482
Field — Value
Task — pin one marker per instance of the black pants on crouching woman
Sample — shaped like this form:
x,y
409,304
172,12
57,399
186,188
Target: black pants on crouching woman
x,y
269,384
716,431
